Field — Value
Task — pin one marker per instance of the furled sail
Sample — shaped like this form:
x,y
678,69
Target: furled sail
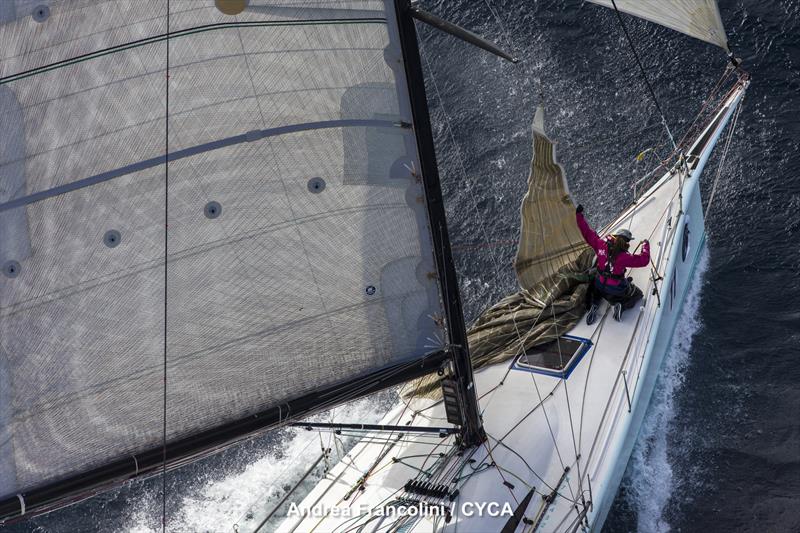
x,y
698,18
284,191
549,237
552,267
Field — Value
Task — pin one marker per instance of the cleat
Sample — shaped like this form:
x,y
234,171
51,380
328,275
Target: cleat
x,y
618,312
591,316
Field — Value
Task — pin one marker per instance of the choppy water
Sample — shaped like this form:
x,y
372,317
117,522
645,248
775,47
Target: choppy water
x,y
720,446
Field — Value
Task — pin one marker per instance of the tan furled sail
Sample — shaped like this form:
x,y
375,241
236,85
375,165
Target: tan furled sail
x,y
698,18
552,267
549,238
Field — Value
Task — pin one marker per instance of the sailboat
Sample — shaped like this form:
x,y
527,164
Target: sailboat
x,y
220,218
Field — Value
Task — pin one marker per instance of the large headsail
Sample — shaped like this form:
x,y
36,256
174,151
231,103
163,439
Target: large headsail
x,y
284,191
549,237
698,18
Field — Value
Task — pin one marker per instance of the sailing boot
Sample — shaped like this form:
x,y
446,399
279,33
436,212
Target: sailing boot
x,y
591,316
617,312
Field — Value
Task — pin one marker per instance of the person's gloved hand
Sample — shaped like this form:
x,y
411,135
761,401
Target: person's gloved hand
x,y
579,209
645,241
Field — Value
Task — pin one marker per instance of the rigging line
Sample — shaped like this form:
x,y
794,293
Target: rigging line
x,y
333,483
536,386
535,407
611,396
598,330
166,278
528,466
695,126
527,67
644,73
290,492
574,443
725,75
499,470
384,451
494,389
451,467
430,455
552,434
459,156
723,156
569,410
407,401
358,516
260,497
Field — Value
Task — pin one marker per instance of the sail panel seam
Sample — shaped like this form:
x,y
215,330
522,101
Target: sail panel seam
x,y
189,31
250,136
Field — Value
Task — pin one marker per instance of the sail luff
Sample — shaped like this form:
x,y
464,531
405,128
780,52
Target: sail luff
x,y
472,431
697,18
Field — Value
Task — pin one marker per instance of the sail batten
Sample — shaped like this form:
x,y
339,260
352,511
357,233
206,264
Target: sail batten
x,y
698,18
302,251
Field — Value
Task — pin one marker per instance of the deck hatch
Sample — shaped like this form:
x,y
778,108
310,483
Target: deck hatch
x,y
557,358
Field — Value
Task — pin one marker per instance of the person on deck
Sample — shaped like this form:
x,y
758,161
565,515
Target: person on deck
x,y
612,260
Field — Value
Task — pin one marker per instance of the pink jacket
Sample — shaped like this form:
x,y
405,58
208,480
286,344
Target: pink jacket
x,y
622,261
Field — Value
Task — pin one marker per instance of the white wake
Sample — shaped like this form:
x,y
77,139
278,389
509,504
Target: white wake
x,y
649,480
238,502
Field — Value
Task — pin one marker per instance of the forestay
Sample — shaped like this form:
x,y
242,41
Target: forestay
x,y
291,211
698,18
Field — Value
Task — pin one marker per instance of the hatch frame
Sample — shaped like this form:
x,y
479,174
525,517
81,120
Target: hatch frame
x,y
575,359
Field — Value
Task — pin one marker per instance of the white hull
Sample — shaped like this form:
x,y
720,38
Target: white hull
x,y
583,421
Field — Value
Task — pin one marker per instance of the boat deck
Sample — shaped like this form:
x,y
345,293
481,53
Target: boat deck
x,y
557,445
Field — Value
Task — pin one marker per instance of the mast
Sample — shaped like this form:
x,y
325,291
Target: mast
x,y
472,432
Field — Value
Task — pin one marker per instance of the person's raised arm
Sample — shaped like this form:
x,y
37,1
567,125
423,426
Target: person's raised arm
x,y
589,235
642,258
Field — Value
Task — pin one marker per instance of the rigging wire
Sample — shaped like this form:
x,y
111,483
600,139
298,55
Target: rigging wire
x,y
644,74
166,256
723,156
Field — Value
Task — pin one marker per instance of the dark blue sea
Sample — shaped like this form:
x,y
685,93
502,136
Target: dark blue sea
x,y
720,447
719,450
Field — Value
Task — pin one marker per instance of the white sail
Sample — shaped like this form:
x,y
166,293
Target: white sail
x,y
698,18
299,244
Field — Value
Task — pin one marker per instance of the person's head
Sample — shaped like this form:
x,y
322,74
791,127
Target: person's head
x,y
621,241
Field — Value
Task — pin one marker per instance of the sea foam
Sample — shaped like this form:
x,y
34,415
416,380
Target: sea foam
x,y
650,480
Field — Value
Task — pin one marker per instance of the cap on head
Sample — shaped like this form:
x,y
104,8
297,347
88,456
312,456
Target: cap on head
x,y
625,234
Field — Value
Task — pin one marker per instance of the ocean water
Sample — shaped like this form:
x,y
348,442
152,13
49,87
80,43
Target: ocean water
x,y
720,446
